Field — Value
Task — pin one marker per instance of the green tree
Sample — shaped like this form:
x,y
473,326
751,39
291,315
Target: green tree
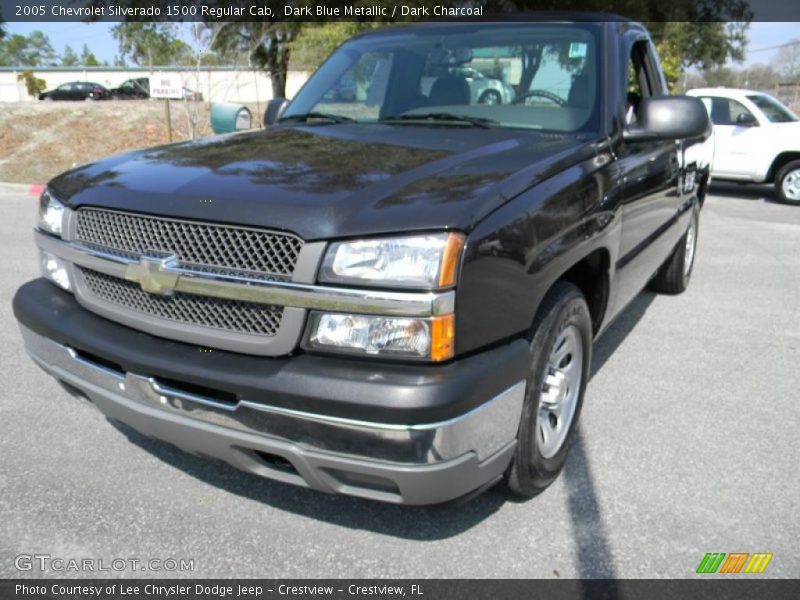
x,y
151,44
315,41
33,84
267,43
33,50
702,44
88,59
687,33
69,58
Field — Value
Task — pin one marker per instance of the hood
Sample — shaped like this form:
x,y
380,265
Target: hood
x,y
324,182
785,135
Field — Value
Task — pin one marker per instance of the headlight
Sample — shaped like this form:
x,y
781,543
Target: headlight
x,y
51,214
420,261
55,269
398,337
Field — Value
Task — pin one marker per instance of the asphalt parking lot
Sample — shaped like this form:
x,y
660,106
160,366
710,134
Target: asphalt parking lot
x,y
688,444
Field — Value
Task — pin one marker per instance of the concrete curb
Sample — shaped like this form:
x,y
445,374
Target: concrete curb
x,y
33,189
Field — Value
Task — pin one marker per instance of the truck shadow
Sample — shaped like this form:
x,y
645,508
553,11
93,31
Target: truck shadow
x,y
594,556
424,523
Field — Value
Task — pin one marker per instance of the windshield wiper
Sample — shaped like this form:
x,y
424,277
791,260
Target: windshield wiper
x,y
444,116
305,117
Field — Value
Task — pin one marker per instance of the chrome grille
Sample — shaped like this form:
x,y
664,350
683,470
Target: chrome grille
x,y
206,247
216,313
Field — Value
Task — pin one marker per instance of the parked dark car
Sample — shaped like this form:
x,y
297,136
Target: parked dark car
x,y
132,89
394,297
77,90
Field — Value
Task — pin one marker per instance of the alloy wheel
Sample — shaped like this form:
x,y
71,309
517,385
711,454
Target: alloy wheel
x,y
560,391
691,244
791,185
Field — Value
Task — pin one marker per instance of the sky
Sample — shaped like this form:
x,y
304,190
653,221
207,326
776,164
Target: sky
x,y
767,35
100,41
95,35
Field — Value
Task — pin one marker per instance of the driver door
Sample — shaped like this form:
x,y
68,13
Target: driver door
x,y
650,175
735,142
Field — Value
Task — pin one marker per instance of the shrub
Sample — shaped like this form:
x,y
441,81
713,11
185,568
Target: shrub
x,y
33,84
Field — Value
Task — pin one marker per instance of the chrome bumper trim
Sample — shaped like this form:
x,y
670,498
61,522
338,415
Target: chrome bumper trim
x,y
483,431
275,293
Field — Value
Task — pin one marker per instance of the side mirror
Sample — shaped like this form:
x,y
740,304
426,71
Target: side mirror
x,y
274,110
746,119
227,118
669,118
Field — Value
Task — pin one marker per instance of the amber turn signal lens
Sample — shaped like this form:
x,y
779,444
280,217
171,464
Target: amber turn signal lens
x,y
443,337
450,258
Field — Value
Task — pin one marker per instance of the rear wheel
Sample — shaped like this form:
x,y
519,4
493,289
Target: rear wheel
x,y
674,275
561,349
787,183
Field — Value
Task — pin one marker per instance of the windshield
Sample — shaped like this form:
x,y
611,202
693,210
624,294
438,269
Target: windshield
x,y
535,76
772,109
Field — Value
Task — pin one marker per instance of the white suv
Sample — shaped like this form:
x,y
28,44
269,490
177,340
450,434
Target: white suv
x,y
756,138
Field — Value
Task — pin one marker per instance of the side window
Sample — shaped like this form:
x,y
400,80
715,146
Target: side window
x,y
644,80
67,87
658,85
725,111
638,87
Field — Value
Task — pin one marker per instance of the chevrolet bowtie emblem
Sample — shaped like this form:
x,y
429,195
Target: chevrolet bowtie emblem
x,y
155,275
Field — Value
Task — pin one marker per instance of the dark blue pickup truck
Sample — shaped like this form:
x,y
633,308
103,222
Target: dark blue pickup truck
x,y
390,293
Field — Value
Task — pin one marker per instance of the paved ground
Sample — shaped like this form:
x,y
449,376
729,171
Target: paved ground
x,y
689,445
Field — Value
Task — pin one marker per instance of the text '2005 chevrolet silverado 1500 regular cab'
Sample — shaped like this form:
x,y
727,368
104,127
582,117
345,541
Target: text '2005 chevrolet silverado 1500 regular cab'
x,y
394,294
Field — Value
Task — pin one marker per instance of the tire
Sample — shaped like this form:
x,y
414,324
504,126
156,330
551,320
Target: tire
x,y
674,275
490,97
561,335
787,183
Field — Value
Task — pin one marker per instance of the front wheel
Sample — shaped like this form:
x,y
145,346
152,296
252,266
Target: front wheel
x,y
787,183
561,350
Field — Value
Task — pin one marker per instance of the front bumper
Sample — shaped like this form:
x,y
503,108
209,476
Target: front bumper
x,y
422,434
